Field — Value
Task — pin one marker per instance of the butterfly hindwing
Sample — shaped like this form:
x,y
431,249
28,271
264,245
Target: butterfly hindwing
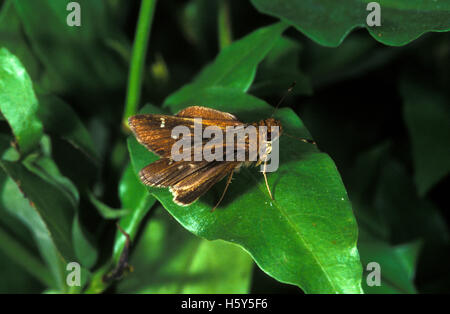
x,y
187,180
188,190
165,172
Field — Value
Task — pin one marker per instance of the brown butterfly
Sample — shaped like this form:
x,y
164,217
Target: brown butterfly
x,y
188,180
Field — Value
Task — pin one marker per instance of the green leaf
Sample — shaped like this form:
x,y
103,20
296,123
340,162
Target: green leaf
x,y
225,99
388,210
14,279
424,222
235,66
426,113
17,250
105,211
14,203
71,142
167,259
49,201
409,253
86,253
46,168
18,103
328,22
280,68
360,182
307,236
397,265
54,208
60,120
59,46
356,56
13,39
7,148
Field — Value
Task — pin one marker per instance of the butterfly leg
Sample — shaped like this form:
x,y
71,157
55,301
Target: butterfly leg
x,y
224,191
265,178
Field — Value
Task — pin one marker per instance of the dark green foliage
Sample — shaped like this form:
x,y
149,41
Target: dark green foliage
x,y
372,190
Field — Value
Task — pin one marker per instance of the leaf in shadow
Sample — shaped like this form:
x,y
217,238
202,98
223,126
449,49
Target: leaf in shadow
x,y
235,66
397,265
167,259
14,203
426,113
328,22
279,69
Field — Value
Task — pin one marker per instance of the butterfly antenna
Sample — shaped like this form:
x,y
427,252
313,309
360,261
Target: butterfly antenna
x,y
284,97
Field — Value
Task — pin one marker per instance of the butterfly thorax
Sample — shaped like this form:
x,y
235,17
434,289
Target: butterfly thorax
x,y
264,144
271,123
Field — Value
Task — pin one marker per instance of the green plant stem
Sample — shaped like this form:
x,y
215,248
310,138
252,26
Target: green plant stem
x,y
137,63
97,285
224,24
21,256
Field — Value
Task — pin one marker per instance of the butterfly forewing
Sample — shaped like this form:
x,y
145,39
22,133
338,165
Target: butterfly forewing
x,y
154,131
206,113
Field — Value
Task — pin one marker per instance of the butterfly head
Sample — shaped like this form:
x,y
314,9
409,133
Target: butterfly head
x,y
273,125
